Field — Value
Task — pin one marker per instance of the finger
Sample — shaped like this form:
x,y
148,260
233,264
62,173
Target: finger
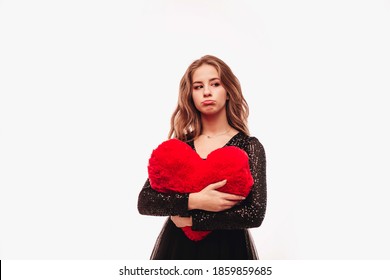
x,y
175,219
227,205
229,196
216,185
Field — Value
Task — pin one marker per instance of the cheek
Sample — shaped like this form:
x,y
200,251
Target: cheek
x,y
222,93
195,97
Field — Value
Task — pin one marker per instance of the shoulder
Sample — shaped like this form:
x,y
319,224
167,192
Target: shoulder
x,y
249,143
254,141
248,140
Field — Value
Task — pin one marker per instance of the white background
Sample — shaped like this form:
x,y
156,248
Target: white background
x,y
88,87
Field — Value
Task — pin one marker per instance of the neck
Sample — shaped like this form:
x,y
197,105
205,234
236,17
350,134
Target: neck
x,y
212,125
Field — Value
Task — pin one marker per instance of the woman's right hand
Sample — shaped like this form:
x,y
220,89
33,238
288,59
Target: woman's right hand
x,y
210,199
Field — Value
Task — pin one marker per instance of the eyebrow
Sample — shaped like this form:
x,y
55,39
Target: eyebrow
x,y
202,82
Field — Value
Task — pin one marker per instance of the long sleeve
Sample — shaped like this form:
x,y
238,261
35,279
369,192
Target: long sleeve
x,y
250,212
151,202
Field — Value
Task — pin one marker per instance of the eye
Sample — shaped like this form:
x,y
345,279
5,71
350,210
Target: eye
x,y
216,84
196,87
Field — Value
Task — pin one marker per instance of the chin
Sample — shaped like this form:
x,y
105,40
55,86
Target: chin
x,y
211,110
208,111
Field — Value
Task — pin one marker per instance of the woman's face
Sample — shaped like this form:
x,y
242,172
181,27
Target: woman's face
x,y
208,94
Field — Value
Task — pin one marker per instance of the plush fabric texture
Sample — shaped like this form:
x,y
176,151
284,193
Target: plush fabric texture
x,y
175,167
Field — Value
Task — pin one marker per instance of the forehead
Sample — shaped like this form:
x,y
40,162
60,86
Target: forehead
x,y
204,73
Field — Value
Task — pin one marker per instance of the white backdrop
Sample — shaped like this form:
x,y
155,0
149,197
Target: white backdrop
x,y
88,87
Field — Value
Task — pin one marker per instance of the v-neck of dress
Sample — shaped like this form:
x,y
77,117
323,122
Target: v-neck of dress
x,y
192,144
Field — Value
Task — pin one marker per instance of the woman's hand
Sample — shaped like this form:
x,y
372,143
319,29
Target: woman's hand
x,y
181,221
210,199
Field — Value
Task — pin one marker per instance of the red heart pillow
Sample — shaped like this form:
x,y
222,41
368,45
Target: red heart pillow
x,y
175,167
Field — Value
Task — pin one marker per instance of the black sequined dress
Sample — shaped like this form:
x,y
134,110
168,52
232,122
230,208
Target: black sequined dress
x,y
230,238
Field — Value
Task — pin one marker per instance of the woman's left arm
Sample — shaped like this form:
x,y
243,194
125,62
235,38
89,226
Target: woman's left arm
x,y
250,212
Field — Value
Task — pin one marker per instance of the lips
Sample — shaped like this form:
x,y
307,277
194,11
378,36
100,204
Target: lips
x,y
208,102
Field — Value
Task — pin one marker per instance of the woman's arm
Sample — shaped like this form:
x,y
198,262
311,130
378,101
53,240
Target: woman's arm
x,y
251,211
151,202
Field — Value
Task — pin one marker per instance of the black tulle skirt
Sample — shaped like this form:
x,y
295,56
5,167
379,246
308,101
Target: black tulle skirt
x,y
172,244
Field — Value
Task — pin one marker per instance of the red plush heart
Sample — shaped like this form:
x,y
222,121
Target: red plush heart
x,y
175,167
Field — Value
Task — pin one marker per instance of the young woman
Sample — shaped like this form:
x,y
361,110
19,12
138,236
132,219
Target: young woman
x,y
211,113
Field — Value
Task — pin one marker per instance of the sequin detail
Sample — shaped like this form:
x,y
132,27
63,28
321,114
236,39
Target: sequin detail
x,y
247,214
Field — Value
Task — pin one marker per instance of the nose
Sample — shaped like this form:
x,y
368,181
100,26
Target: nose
x,y
206,91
